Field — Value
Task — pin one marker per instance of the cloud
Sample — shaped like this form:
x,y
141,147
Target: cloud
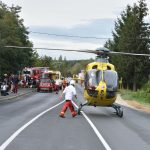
x,y
64,45
96,28
91,18
68,13
100,28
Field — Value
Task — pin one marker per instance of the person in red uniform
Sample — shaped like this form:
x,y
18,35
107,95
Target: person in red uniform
x,y
69,92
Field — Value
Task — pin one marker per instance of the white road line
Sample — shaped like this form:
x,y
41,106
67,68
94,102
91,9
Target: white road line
x,y
95,129
14,135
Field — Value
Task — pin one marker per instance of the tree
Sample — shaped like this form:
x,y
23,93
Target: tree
x,y
44,61
132,34
60,58
13,32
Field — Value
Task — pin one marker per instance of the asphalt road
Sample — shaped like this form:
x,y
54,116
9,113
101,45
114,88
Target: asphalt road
x,y
50,132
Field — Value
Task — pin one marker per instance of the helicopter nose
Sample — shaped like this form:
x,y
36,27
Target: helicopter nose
x,y
101,93
92,91
92,87
102,87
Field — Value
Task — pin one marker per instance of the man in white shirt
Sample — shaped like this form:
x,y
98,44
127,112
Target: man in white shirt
x,y
69,92
4,87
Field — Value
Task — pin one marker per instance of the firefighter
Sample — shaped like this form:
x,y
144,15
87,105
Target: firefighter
x,y
69,92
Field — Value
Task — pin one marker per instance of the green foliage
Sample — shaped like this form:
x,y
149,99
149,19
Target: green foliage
x,y
13,32
70,67
66,67
45,61
146,87
132,35
140,96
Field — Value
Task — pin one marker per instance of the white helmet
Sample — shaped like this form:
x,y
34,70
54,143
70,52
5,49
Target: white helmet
x,y
72,82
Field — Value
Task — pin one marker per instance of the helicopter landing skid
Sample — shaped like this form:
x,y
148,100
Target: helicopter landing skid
x,y
80,107
119,110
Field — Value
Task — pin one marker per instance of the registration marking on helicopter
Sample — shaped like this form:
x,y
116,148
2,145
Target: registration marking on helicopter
x,y
107,147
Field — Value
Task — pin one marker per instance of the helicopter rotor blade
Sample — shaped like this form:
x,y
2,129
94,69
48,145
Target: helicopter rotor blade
x,y
53,49
99,51
132,54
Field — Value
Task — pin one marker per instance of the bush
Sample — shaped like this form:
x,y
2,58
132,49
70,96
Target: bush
x,y
146,87
141,96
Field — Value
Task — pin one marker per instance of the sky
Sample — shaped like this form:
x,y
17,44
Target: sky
x,y
83,18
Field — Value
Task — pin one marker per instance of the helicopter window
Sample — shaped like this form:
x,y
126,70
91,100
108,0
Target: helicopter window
x,y
94,67
93,77
108,68
111,79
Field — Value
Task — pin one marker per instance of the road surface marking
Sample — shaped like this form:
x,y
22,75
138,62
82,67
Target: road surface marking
x,y
14,135
95,129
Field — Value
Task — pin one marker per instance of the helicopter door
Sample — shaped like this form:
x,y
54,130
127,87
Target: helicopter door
x,y
111,79
92,78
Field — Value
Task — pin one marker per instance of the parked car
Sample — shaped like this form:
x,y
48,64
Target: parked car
x,y
45,84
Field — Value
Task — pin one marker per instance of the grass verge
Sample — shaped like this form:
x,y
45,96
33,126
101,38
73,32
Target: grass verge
x,y
139,96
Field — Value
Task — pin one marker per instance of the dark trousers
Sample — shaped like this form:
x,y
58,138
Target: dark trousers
x,y
15,90
4,93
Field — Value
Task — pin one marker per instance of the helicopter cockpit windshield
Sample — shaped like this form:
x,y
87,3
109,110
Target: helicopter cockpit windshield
x,y
92,78
111,79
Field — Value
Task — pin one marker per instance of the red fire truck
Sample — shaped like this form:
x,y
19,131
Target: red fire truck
x,y
31,76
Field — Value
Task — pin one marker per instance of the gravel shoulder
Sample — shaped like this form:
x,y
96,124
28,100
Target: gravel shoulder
x,y
133,104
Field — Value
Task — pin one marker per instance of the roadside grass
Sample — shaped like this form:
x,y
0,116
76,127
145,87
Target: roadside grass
x,y
140,96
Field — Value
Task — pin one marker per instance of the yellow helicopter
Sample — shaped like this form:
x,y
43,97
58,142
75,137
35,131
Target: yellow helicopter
x,y
101,79
101,83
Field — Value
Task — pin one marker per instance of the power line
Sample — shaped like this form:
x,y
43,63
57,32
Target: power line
x,y
76,36
70,36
